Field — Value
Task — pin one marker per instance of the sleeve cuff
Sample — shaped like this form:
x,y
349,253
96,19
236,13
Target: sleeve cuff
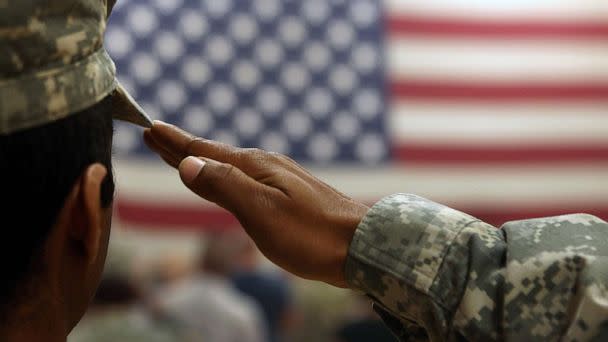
x,y
405,237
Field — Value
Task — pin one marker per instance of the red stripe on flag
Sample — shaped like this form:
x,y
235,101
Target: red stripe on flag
x,y
404,89
161,215
404,25
193,218
441,154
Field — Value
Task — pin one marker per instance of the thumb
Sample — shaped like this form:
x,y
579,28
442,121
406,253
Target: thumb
x,y
221,183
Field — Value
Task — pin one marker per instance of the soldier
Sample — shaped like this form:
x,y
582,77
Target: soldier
x,y
58,95
434,273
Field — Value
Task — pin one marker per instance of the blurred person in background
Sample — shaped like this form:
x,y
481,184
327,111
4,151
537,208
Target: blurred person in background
x,y
205,306
58,96
116,314
271,290
434,273
121,309
171,269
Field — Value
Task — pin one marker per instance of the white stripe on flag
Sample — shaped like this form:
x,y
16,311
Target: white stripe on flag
x,y
517,124
497,10
498,61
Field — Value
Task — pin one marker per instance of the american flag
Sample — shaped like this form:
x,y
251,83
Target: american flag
x,y
497,108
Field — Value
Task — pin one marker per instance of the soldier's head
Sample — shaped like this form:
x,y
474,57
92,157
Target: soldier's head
x,y
58,97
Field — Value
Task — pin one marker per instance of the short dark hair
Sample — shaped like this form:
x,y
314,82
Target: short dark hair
x,y
38,168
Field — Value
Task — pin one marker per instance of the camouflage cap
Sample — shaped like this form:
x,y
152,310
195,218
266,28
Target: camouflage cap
x,y
53,64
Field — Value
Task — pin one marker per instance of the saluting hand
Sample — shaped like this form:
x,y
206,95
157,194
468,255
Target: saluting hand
x,y
296,220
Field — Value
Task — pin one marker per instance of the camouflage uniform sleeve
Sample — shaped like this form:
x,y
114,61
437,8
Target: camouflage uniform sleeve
x,y
435,273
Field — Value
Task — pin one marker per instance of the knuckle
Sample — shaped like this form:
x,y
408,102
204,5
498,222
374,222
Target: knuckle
x,y
258,153
225,171
192,145
277,158
215,179
282,160
254,155
274,155
287,159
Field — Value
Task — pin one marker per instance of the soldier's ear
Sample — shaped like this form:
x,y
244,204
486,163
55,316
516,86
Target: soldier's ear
x,y
86,226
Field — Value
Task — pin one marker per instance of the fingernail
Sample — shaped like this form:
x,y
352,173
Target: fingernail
x,y
190,167
158,123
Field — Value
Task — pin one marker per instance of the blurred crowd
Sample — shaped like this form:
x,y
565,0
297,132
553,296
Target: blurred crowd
x,y
226,292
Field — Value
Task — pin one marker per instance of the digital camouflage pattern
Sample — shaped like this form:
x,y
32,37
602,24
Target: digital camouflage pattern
x,y
52,62
438,274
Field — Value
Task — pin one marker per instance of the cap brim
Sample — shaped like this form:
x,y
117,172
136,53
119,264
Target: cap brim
x,y
126,109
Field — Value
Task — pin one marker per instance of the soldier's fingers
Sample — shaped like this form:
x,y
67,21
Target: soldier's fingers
x,y
164,154
172,162
181,144
224,184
